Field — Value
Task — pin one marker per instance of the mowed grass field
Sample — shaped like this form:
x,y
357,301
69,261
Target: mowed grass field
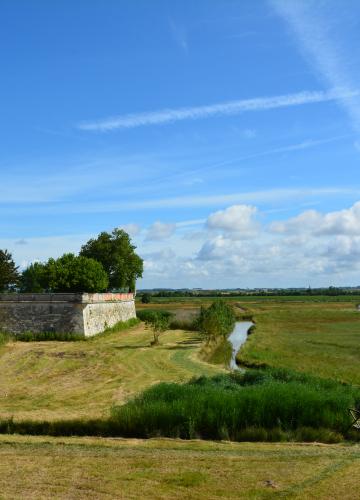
x,y
322,338
80,468
58,380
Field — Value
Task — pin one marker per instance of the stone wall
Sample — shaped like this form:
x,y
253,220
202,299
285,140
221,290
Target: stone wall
x,y
86,314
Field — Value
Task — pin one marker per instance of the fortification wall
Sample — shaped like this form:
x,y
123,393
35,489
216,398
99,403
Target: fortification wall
x,y
86,314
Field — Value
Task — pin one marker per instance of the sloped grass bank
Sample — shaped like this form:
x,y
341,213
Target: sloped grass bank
x,y
259,405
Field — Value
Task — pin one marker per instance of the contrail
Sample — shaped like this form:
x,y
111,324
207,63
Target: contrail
x,y
222,109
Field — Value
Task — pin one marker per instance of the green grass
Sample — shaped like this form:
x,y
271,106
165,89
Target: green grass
x,y
82,468
272,403
319,338
55,380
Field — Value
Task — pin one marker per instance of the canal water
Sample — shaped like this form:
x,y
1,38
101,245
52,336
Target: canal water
x,y
237,338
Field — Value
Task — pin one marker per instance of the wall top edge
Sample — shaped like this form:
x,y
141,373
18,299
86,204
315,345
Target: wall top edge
x,y
81,298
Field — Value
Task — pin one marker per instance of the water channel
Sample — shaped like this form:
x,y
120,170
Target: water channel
x,y
237,338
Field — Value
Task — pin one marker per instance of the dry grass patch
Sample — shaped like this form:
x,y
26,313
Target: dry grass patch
x,y
104,468
54,380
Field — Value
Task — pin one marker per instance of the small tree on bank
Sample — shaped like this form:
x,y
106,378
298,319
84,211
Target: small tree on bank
x,y
9,276
216,321
158,322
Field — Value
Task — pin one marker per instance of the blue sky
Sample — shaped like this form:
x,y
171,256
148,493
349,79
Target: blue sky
x,y
223,135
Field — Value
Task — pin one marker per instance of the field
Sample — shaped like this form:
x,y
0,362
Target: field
x,y
62,380
169,469
55,380
322,338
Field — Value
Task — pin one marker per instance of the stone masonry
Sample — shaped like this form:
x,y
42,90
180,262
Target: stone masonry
x,y
83,313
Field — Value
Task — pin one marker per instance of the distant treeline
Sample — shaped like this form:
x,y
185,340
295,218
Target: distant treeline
x,y
332,291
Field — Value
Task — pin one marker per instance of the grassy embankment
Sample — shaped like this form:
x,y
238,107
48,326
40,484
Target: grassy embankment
x,y
62,380
106,468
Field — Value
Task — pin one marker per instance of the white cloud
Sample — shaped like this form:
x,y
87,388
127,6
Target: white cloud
x,y
222,109
160,230
238,220
132,229
321,39
342,222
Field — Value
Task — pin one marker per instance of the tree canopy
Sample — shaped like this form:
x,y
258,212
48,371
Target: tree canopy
x,y
117,256
69,273
9,276
34,278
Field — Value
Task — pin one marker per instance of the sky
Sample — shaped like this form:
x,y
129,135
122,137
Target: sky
x,y
223,135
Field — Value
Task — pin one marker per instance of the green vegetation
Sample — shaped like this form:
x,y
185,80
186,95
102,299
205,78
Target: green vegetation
x,y
216,321
71,273
67,380
68,273
271,404
117,255
145,298
258,405
101,468
319,338
9,276
158,323
46,336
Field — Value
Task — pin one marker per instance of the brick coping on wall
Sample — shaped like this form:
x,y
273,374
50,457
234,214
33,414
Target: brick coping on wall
x,y
82,298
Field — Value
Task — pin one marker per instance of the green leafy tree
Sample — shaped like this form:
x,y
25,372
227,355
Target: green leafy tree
x,y
70,273
217,320
117,256
9,276
34,278
158,323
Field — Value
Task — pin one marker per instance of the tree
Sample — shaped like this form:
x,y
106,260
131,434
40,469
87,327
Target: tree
x,y
117,256
34,279
158,322
70,273
9,276
217,320
145,298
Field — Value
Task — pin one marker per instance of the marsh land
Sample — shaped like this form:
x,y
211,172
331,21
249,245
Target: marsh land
x,y
52,381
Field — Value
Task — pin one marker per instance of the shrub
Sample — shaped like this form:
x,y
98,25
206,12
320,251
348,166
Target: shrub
x,y
146,298
217,320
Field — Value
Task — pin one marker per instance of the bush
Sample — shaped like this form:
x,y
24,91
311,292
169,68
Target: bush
x,y
217,320
146,298
151,314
